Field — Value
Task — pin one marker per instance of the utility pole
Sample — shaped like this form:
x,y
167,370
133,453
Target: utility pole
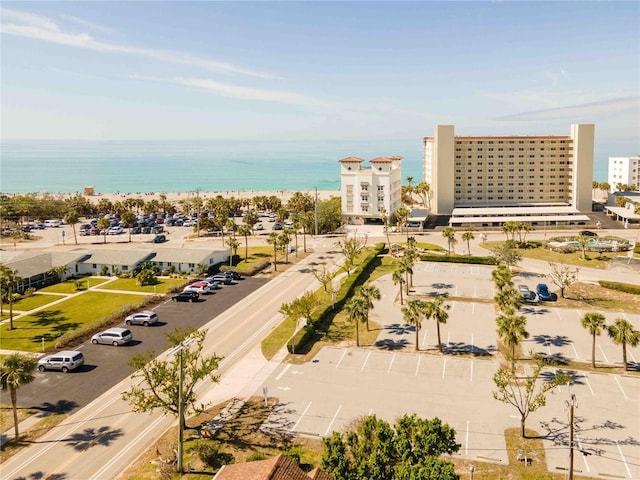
x,y
198,219
316,211
179,351
571,405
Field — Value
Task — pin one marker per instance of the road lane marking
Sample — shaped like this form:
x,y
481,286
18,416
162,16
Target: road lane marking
x,y
620,386
365,361
344,352
284,370
466,440
575,351
284,388
303,414
417,366
332,420
391,363
603,354
624,460
444,366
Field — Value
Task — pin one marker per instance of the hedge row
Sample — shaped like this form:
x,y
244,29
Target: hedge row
x,y
458,259
305,337
621,287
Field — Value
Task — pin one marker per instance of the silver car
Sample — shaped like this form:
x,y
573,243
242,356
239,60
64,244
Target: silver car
x,y
64,361
113,336
146,317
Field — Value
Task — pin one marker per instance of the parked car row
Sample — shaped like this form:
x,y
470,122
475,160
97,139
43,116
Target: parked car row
x,y
192,292
542,294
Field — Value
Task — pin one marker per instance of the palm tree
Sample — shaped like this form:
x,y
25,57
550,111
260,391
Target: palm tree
x,y
245,230
398,278
128,219
402,214
583,240
467,237
512,329
8,278
509,300
450,234
16,371
413,313
103,225
357,311
406,265
233,244
369,293
285,239
623,333
71,218
438,311
594,323
501,276
272,239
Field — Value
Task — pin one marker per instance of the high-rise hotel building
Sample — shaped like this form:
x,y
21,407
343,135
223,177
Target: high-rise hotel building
x,y
490,178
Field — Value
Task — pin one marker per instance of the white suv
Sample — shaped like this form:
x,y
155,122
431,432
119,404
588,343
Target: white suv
x,y
64,361
113,336
145,318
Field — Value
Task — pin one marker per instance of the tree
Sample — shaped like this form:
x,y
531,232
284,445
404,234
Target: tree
x,y
273,240
437,310
402,215
103,226
521,392
405,451
284,240
423,190
621,201
623,333
507,253
157,381
450,234
412,313
357,312
146,277
594,323
71,218
384,215
350,247
325,277
250,219
398,279
59,271
369,293
233,244
562,276
8,278
509,299
245,231
128,218
583,240
512,330
301,307
501,276
467,237
16,371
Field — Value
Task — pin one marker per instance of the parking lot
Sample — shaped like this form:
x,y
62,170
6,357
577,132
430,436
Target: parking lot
x,y
389,378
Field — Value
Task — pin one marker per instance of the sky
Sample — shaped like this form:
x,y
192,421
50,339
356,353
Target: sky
x,y
318,70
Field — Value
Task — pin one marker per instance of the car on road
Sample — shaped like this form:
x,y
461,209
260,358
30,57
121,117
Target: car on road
x,y
159,239
588,233
544,295
64,361
146,317
222,278
527,295
200,287
113,336
186,296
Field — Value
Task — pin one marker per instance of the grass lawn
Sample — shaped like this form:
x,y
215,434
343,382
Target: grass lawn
x,y
35,301
71,314
254,255
592,259
129,284
69,286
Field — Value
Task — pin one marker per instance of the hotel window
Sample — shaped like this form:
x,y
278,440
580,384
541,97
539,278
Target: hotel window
x,y
364,198
380,188
364,187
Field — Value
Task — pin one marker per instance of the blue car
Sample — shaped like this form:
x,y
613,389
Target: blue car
x,y
544,295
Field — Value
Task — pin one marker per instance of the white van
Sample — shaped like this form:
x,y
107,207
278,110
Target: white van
x,y
52,223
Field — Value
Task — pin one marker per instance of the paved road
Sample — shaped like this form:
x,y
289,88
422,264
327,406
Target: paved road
x,y
105,437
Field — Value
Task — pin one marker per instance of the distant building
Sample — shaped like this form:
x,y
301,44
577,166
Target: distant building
x,y
487,180
367,192
624,170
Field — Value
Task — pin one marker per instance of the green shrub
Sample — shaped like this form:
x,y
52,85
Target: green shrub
x,y
256,456
209,453
29,292
459,259
621,287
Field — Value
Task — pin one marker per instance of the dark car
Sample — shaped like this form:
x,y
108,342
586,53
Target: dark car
x,y
146,230
186,296
278,226
222,278
159,239
588,233
544,295
233,274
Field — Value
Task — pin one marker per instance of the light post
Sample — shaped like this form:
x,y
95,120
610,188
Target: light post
x,y
178,350
471,470
571,405
315,212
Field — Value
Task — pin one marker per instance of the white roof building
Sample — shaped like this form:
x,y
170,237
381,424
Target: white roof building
x,y
624,171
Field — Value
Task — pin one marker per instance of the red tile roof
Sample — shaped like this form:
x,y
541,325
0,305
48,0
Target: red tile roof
x,y
280,467
381,160
351,159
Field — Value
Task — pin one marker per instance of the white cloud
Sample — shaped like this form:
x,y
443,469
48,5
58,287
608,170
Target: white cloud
x,y
42,28
86,23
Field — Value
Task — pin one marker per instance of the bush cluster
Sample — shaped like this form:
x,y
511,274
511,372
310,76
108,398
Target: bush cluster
x,y
460,259
621,287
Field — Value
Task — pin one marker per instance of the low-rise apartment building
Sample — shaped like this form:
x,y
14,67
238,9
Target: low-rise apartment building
x,y
624,171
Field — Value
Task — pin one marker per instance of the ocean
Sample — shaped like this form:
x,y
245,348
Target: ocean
x,y
183,166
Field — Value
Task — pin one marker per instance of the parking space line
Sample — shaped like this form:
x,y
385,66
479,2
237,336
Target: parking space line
x,y
633,359
391,363
475,293
457,291
303,414
473,345
471,374
473,309
603,354
615,377
624,460
444,366
365,361
344,352
586,379
584,457
575,351
424,337
417,366
466,440
557,310
284,370
332,420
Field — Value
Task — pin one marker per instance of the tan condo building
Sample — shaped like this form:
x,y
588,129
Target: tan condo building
x,y
367,192
487,180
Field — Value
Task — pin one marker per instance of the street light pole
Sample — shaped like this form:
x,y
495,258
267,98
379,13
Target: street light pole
x,y
178,350
316,211
571,404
